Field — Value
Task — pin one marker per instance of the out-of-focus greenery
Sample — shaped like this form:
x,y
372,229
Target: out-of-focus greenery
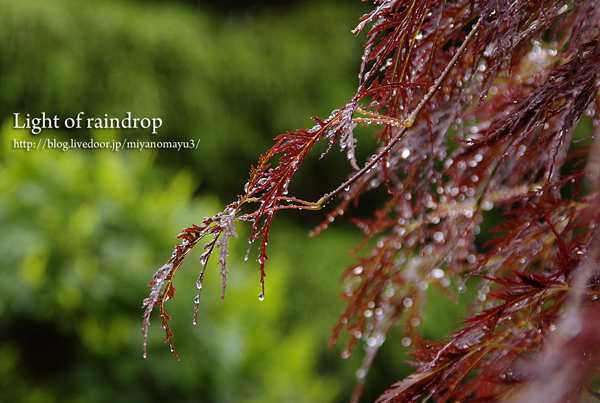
x,y
234,82
84,230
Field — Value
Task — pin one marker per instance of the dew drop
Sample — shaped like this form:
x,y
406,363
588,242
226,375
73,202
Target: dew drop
x,y
487,205
346,354
406,341
261,297
437,273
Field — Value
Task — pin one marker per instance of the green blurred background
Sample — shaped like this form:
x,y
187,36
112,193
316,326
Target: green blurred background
x,y
83,231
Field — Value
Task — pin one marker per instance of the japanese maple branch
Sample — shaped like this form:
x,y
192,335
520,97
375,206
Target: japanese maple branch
x,y
406,125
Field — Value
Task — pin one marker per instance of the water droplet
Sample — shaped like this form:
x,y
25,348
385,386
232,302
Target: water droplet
x,y
346,354
360,374
261,297
406,341
407,302
487,205
437,273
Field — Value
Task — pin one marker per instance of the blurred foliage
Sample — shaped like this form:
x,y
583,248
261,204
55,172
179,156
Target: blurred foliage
x,y
83,230
234,81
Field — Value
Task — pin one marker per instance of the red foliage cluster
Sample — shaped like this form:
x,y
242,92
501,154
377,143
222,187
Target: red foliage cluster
x,y
478,102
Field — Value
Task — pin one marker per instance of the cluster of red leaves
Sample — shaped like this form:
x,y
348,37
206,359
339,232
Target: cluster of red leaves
x,y
478,103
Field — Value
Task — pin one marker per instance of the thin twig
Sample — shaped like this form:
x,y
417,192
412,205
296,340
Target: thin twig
x,y
406,125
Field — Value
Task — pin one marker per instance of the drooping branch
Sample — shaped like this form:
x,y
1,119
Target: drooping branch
x,y
477,104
